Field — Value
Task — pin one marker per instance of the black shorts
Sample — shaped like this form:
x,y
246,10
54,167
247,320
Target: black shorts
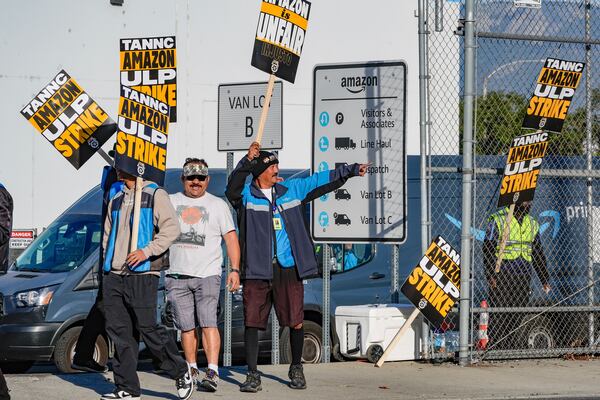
x,y
285,291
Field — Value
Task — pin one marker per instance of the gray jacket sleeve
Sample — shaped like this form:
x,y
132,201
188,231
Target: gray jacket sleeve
x,y
166,220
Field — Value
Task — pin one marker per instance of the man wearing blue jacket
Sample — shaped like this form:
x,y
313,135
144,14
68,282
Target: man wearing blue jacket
x,y
277,251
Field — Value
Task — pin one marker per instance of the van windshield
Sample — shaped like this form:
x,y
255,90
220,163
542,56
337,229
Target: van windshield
x,y
62,247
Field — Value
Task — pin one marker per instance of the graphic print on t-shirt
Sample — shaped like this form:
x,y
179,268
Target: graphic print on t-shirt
x,y
195,219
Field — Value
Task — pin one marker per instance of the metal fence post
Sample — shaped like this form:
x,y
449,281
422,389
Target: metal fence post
x,y
326,348
467,181
395,289
423,126
274,326
589,151
228,295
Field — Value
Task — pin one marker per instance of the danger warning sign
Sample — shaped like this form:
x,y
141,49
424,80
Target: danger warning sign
x,y
280,37
148,65
69,119
522,168
434,285
553,94
141,147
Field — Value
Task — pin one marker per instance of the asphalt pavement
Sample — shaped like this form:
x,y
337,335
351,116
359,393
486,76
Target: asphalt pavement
x,y
530,379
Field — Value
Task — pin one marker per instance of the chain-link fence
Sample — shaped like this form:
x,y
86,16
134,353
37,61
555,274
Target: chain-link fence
x,y
549,306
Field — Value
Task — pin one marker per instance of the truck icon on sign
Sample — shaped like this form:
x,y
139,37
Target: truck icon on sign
x,y
344,143
342,194
341,219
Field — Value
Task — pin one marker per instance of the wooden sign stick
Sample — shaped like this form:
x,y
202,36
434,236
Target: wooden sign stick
x,y
265,109
504,238
139,183
397,338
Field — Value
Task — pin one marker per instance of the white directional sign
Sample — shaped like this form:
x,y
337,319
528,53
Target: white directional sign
x,y
240,106
359,113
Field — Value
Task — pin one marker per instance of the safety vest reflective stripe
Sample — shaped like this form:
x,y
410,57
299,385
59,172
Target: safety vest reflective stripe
x,y
520,236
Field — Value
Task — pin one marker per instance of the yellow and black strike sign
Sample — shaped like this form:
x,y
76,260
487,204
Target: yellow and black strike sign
x,y
141,147
148,65
553,95
70,119
522,168
280,37
434,285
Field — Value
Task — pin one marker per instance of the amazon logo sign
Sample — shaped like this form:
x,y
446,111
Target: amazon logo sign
x,y
549,222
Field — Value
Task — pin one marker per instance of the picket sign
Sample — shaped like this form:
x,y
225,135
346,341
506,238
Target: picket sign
x,y
397,338
504,239
139,183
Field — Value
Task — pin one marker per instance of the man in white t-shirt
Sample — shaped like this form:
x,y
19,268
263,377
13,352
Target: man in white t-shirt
x,y
193,280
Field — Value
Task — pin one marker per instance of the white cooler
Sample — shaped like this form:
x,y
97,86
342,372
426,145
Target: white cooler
x,y
362,329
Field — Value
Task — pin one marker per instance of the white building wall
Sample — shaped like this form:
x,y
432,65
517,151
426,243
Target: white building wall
x,y
214,44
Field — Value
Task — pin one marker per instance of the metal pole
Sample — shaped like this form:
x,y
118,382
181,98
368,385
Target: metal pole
x,y
467,181
326,349
106,157
589,149
423,126
228,296
395,289
274,325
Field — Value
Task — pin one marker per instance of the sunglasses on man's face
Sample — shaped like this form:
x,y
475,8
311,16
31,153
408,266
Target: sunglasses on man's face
x,y
201,178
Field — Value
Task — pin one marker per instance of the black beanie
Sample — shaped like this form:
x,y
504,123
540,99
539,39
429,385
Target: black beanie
x,y
264,160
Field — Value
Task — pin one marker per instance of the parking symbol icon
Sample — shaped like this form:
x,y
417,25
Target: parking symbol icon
x,y
324,119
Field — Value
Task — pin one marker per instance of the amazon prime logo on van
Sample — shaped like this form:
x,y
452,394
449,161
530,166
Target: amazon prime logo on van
x,y
358,84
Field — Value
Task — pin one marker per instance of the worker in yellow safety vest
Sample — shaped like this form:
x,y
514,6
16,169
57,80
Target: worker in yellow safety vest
x,y
511,285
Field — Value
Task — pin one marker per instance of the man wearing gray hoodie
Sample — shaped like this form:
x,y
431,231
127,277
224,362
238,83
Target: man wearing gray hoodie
x,y
130,286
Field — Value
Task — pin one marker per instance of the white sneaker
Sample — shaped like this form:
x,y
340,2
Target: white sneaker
x,y
118,395
185,386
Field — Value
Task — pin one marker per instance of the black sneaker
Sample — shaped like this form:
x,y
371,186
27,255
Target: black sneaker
x,y
296,375
89,366
118,395
210,380
252,384
185,386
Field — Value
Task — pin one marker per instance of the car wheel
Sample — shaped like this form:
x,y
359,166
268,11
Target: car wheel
x,y
65,350
537,334
15,367
311,353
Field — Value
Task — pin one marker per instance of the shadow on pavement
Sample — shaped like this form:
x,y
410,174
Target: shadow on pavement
x,y
99,383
